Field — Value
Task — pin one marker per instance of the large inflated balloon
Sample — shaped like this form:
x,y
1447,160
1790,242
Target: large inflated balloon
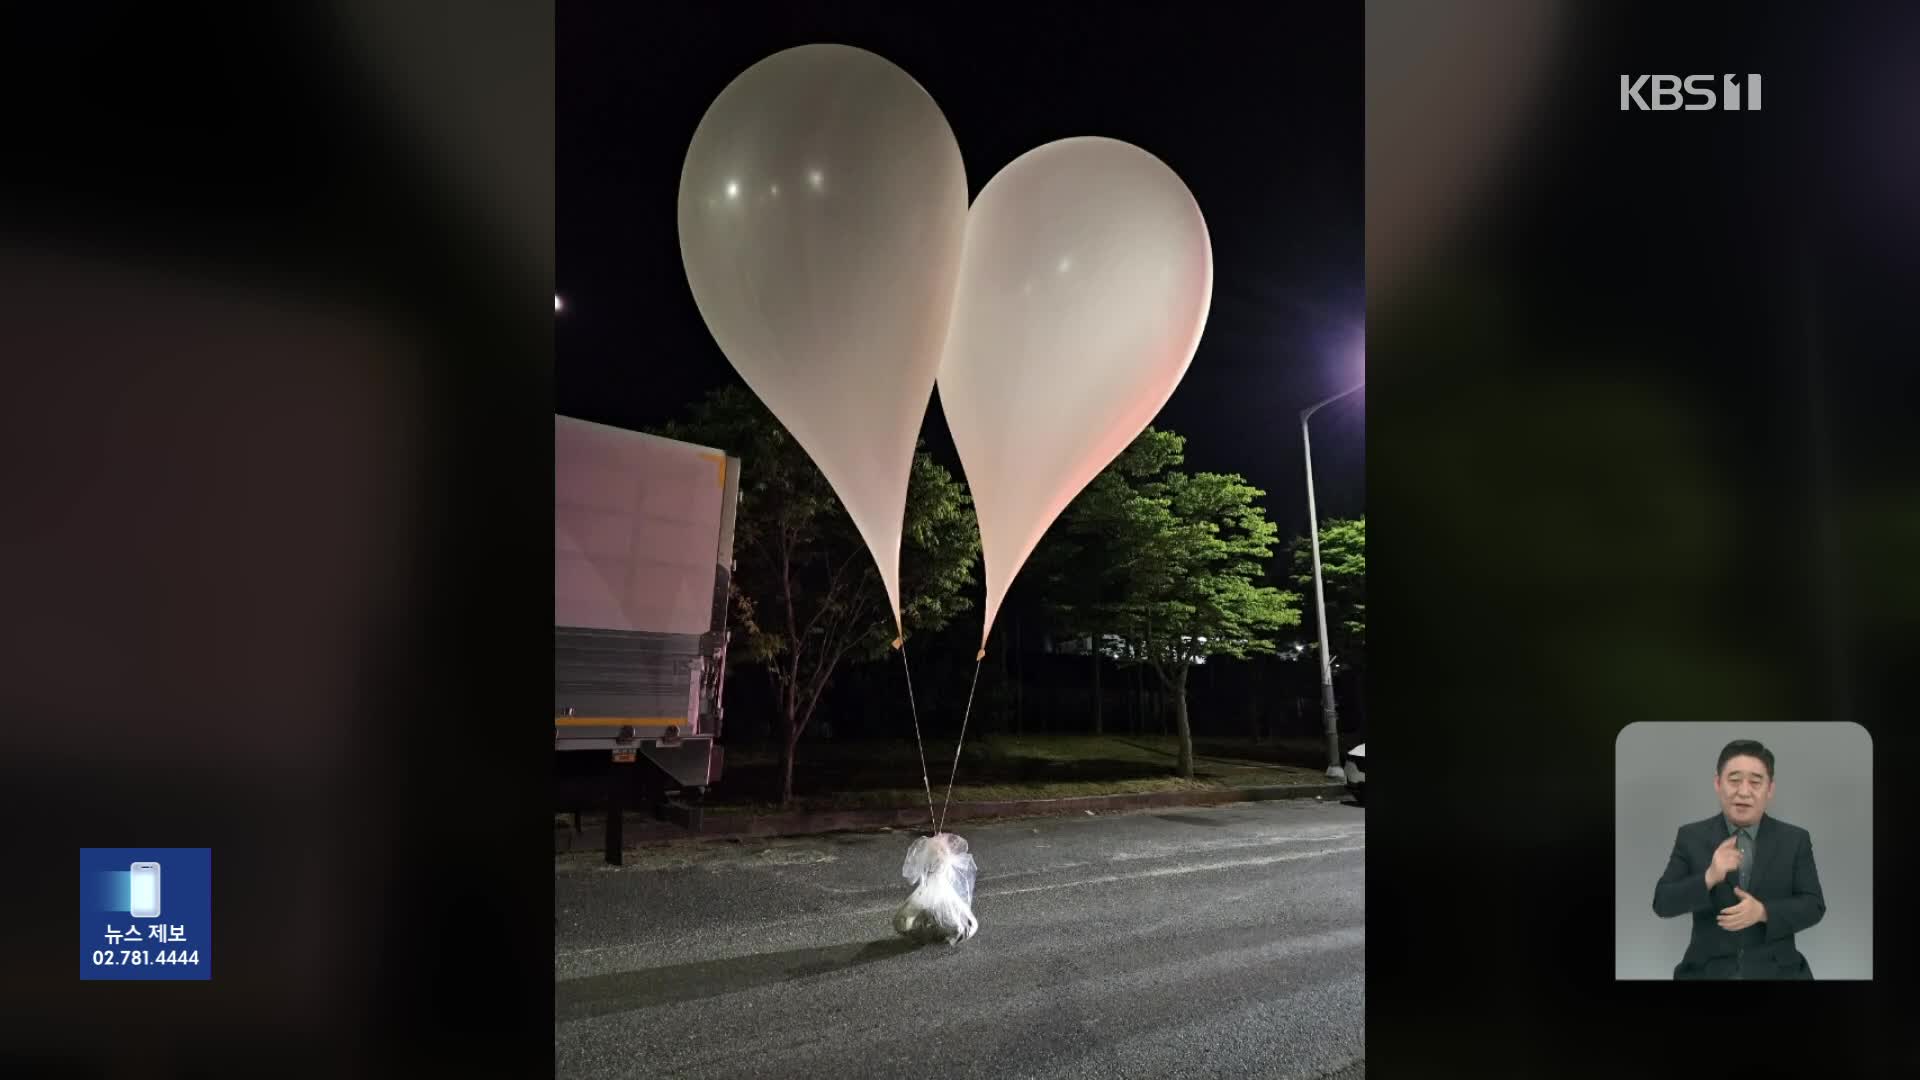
x,y
822,211
1083,290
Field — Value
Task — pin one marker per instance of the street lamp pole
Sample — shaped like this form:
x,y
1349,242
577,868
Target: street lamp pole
x,y
1328,712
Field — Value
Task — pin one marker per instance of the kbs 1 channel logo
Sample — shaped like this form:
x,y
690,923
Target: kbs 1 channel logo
x,y
146,914
1691,93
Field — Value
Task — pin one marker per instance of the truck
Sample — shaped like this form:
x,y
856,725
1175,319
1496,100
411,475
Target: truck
x,y
642,566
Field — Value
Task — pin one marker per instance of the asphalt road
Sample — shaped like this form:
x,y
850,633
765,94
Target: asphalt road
x,y
1223,942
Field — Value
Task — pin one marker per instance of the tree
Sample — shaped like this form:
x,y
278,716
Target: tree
x,y
1188,552
806,593
1343,575
1087,559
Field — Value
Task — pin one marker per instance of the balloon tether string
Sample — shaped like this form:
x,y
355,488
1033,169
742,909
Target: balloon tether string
x,y
900,643
964,717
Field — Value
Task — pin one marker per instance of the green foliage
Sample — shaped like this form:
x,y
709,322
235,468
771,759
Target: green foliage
x,y
1169,562
1089,558
940,548
1343,574
1165,567
806,592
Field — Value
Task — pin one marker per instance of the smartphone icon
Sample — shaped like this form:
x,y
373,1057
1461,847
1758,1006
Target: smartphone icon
x,y
146,890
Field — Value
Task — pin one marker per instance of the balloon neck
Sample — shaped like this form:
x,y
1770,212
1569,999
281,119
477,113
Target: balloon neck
x,y
897,641
979,656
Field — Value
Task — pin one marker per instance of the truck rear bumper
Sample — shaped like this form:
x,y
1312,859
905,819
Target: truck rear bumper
x,y
690,760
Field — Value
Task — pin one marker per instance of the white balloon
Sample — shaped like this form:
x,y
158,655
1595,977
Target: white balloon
x,y
1084,289
822,211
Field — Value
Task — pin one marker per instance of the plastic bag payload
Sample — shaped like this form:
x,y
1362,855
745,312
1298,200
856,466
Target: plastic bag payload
x,y
941,905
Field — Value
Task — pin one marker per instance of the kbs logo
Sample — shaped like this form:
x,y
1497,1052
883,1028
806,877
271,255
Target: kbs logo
x,y
1694,93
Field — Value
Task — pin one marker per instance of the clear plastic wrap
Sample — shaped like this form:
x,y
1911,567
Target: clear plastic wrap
x,y
941,905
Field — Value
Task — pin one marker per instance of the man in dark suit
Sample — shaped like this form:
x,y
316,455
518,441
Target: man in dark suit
x,y
1747,879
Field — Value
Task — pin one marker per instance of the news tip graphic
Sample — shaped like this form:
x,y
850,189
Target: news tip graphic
x,y
146,913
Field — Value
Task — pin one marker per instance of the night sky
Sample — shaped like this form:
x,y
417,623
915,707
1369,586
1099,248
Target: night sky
x,y
1261,116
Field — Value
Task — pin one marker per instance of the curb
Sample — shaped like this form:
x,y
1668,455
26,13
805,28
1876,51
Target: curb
x,y
719,826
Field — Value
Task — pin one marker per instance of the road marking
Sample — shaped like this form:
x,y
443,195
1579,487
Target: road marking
x,y
804,855
770,857
1002,875
1169,871
1124,856
1168,850
1165,871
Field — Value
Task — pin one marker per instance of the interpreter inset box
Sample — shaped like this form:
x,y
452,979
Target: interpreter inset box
x,y
1743,851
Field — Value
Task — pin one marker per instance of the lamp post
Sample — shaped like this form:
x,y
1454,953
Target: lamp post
x,y
1327,710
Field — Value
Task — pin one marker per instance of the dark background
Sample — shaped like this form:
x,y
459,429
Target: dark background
x,y
275,433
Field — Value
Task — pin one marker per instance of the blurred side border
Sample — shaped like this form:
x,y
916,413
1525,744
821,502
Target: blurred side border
x,y
274,439
1641,450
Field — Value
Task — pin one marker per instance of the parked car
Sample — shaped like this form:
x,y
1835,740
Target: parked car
x,y
1355,764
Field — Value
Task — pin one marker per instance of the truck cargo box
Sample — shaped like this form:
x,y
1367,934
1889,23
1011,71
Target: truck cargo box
x,y
642,560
